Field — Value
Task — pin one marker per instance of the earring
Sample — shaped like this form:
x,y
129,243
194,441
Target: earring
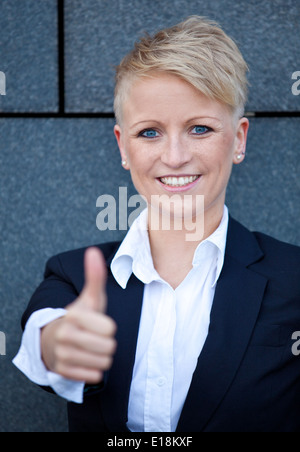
x,y
124,162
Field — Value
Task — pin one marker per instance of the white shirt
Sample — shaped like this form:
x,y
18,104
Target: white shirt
x,y
173,329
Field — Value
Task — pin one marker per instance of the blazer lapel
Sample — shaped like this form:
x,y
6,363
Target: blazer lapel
x,y
237,302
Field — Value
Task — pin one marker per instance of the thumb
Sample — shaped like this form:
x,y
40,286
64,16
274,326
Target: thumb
x,y
94,293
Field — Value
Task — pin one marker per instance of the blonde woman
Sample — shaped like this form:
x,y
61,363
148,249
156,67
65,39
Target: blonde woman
x,y
169,330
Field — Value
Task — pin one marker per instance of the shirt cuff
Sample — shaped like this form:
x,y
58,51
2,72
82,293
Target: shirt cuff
x,y
29,360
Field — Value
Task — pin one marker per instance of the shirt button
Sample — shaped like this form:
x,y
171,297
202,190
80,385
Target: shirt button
x,y
161,381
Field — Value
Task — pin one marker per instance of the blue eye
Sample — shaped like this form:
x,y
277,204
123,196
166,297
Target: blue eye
x,y
200,130
149,133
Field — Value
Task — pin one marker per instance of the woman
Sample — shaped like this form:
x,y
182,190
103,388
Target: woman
x,y
173,330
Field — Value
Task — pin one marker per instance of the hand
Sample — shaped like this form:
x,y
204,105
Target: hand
x,y
80,346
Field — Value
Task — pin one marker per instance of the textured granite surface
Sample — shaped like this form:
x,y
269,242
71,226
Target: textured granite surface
x,y
28,55
51,172
99,33
264,191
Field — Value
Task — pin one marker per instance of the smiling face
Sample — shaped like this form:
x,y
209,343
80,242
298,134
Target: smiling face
x,y
175,140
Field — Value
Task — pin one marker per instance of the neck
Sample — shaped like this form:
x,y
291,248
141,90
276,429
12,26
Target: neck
x,y
173,249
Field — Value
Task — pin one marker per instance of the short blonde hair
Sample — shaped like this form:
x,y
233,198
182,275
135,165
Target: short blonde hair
x,y
196,50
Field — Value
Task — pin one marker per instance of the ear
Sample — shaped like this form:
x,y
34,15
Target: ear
x,y
119,136
241,140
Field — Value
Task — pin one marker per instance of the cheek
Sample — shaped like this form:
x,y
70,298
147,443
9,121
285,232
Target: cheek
x,y
220,155
133,152
141,158
140,165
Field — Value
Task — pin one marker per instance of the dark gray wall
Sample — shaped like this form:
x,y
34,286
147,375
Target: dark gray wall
x,y
53,166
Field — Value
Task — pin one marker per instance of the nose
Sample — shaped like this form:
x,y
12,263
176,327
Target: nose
x,y
175,154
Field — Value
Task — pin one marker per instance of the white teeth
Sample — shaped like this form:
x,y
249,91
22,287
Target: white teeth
x,y
178,181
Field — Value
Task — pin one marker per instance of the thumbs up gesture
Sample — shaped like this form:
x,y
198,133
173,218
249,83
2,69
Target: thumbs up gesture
x,y
93,296
80,346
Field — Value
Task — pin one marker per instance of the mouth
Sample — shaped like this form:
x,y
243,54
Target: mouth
x,y
179,182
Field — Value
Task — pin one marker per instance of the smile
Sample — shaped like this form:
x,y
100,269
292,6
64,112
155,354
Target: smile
x,y
181,181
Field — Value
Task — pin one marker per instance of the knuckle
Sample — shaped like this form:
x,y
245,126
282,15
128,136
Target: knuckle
x,y
110,326
114,327
95,377
72,315
60,369
62,333
106,362
61,355
113,346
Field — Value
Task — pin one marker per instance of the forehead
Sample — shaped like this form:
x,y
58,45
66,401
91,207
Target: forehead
x,y
165,97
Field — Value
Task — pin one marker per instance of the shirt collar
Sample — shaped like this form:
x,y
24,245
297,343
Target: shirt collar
x,y
214,246
134,254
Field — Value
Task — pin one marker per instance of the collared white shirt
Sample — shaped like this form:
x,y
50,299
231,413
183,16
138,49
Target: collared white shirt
x,y
173,329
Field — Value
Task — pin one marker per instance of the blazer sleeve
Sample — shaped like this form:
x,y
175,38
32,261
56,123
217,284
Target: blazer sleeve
x,y
56,291
63,282
64,279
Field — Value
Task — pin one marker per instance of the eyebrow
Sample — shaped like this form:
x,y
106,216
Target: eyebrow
x,y
143,122
197,118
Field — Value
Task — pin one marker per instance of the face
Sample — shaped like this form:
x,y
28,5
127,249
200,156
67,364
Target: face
x,y
177,141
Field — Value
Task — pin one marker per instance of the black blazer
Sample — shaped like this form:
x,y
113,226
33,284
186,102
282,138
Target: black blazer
x,y
247,378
